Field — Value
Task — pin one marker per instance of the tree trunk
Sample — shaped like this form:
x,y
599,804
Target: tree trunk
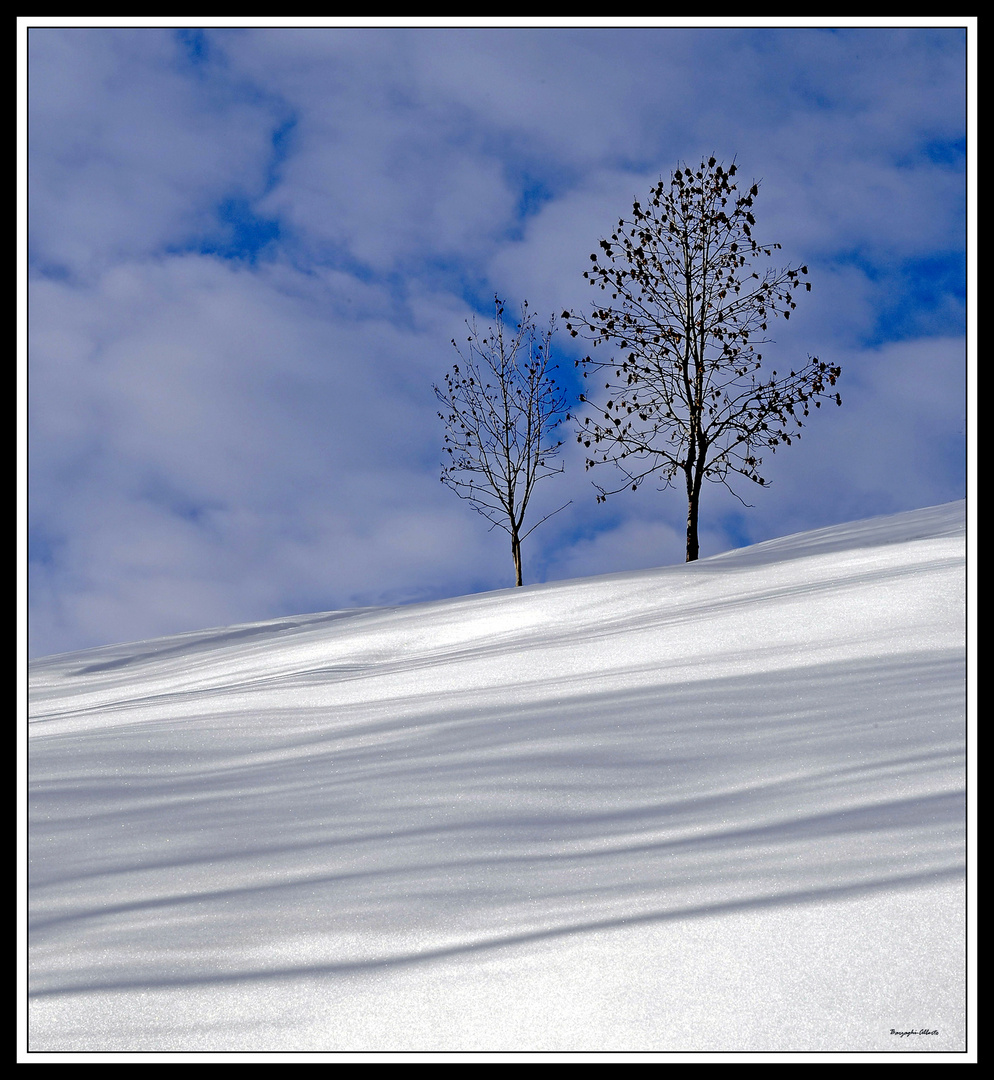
x,y
694,480
694,471
693,547
516,552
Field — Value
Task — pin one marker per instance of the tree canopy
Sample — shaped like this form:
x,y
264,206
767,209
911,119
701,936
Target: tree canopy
x,y
503,408
688,304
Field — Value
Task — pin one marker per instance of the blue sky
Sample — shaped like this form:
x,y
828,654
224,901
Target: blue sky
x,y
248,250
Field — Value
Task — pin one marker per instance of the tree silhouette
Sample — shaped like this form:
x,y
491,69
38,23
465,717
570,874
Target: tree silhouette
x,y
686,396
502,410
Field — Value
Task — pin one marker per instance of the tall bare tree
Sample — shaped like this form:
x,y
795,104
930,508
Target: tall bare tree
x,y
687,395
503,407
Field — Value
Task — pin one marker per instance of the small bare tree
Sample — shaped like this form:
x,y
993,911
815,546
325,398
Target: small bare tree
x,y
502,410
686,396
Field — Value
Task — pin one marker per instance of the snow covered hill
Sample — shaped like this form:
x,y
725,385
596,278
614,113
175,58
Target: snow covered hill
x,y
716,806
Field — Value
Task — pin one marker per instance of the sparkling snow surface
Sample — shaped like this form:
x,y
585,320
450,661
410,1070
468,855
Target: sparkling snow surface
x,y
708,807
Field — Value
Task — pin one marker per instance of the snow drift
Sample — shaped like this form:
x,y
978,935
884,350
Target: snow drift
x,y
715,806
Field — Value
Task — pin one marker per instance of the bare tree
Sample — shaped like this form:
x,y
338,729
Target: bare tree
x,y
687,396
502,410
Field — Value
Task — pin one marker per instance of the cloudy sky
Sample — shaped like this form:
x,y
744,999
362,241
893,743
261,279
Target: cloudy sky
x,y
248,249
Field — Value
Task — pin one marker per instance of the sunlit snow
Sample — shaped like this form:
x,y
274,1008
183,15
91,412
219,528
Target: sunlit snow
x,y
715,806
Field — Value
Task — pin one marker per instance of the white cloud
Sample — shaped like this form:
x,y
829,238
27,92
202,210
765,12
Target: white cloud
x,y
128,152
